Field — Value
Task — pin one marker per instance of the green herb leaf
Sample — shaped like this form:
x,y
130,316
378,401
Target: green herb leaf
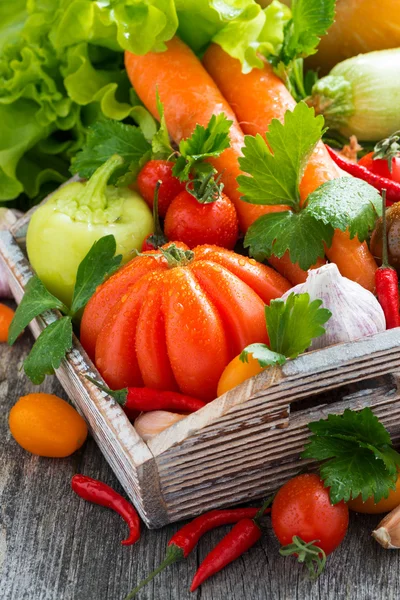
x,y
263,354
35,301
292,324
98,264
48,350
106,138
360,459
311,20
300,233
205,142
276,169
346,203
160,144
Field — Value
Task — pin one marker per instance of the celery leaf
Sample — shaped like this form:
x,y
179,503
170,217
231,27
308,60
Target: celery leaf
x,y
300,233
48,350
358,454
346,203
275,167
293,324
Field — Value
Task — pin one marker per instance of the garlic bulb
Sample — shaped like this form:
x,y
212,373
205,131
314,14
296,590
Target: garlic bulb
x,y
356,312
148,424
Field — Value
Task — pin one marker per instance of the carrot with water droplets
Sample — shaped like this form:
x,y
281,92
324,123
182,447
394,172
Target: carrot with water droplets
x,y
257,98
190,97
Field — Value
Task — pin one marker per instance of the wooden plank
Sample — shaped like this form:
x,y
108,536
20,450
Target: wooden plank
x,y
54,546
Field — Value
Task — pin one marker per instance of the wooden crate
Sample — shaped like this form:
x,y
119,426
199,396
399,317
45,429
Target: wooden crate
x,y
242,445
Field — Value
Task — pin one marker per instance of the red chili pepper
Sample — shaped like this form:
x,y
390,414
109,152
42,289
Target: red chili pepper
x,y
186,539
98,492
157,238
380,183
386,280
241,538
134,400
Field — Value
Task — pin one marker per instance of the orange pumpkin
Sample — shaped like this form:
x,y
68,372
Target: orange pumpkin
x,y
175,321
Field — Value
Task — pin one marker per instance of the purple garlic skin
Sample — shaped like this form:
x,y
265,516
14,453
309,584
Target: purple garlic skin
x,y
7,219
356,313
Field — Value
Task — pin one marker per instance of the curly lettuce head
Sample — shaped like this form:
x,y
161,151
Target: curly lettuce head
x,y
61,69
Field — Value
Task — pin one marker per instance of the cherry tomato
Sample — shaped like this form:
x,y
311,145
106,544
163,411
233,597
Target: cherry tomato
x,y
6,316
302,508
383,506
46,425
236,372
194,224
153,171
380,166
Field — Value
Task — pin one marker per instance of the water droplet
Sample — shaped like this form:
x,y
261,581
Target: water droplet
x,y
179,308
242,262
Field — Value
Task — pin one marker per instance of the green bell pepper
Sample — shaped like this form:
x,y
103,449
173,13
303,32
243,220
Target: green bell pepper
x,y
62,231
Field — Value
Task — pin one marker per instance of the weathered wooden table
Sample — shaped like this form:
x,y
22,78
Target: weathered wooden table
x,y
54,546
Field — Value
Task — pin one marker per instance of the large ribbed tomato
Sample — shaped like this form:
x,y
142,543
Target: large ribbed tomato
x,y
175,321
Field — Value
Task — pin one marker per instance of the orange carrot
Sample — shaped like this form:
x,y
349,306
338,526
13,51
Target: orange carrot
x,y
290,270
257,98
6,316
349,255
191,97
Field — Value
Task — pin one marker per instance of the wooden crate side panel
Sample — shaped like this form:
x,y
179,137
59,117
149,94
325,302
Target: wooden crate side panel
x,y
222,474
123,448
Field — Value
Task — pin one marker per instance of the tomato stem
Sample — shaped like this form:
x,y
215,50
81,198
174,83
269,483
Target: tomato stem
x,y
313,556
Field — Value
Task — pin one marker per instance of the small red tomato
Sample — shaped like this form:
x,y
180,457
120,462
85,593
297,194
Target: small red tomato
x,y
380,167
302,508
153,171
193,223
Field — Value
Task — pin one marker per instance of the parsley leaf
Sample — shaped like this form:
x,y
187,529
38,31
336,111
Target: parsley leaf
x,y
98,264
292,324
205,142
360,459
311,20
49,349
263,354
300,233
35,301
346,203
106,138
160,144
274,175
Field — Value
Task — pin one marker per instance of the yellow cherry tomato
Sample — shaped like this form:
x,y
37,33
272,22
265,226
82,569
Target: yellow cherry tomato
x,y
47,425
236,372
383,506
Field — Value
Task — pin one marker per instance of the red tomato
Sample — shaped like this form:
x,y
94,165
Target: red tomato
x,y
380,166
177,327
193,223
153,171
302,508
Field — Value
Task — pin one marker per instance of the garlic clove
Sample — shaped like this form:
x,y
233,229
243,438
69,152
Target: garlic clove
x,y
149,424
387,534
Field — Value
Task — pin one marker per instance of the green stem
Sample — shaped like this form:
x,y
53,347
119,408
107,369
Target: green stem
x,y
119,395
94,194
156,217
385,257
263,509
174,554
